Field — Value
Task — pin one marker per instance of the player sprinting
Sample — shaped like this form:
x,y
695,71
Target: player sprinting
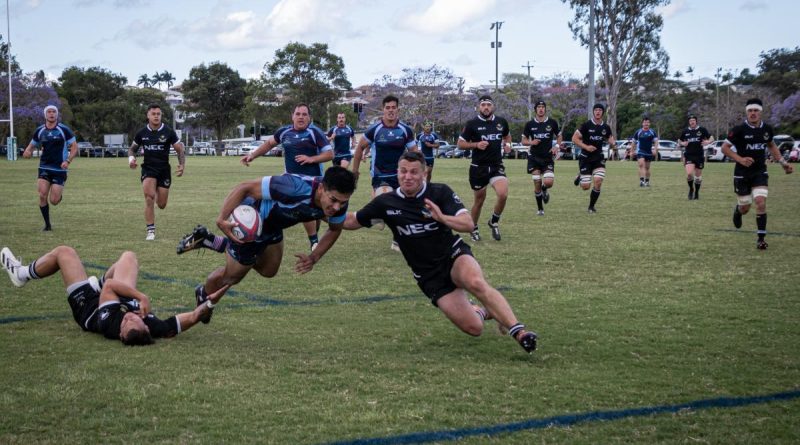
x,y
110,306
693,138
155,139
645,142
539,134
752,139
488,136
592,167
282,201
58,149
422,217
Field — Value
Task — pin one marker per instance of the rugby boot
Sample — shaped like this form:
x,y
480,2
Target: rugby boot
x,y
201,298
11,264
761,245
475,235
495,230
527,339
192,240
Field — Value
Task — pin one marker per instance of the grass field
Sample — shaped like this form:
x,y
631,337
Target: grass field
x,y
653,301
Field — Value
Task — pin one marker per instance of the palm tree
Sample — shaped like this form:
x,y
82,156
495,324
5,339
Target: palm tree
x,y
167,78
144,81
157,79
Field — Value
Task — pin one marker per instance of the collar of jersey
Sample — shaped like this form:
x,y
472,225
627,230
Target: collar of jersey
x,y
760,124
422,190
595,123
486,120
159,128
541,122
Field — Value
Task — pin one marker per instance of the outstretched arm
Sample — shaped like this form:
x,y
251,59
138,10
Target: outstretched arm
x,y
306,262
189,319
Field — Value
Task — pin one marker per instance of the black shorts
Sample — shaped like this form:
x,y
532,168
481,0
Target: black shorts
x,y
162,175
83,301
481,175
247,254
53,177
339,158
437,283
587,166
645,156
429,161
544,164
744,182
698,160
391,181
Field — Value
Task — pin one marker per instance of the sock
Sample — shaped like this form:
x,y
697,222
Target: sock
x,y
761,223
539,200
544,188
45,214
495,218
647,180
151,227
216,242
475,229
697,183
514,330
691,185
593,197
26,273
577,180
481,312
641,179
313,238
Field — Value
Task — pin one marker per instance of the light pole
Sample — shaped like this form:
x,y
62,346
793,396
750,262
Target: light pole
x,y
716,121
11,144
591,59
496,45
529,66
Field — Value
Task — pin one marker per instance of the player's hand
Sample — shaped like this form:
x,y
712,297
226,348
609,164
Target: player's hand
x,y
436,212
747,162
227,228
215,296
144,306
245,160
27,154
506,148
179,170
482,145
304,263
132,163
64,165
303,159
788,168
536,141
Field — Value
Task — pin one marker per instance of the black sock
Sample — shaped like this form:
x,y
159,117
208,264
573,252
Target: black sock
x,y
45,214
761,223
539,200
697,187
593,197
151,227
691,185
313,239
544,188
495,218
641,178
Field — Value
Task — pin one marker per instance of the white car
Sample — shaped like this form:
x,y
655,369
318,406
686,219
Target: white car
x,y
669,150
714,152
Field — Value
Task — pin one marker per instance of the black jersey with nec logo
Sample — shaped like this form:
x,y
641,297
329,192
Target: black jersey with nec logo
x,y
156,144
595,135
107,320
694,137
425,242
546,131
490,130
751,142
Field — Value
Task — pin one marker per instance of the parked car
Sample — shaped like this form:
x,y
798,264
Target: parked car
x,y
713,152
566,151
444,147
84,148
793,155
276,151
457,153
518,151
201,149
669,151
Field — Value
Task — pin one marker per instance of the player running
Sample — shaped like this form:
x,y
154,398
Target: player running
x,y
539,135
646,145
343,139
427,143
422,217
590,138
693,138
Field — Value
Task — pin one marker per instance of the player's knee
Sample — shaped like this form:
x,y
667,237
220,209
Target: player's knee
x,y
130,258
162,205
474,327
150,198
65,251
269,273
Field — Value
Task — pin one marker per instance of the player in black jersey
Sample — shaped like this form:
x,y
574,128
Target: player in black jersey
x,y
488,137
155,139
693,138
751,141
590,138
539,134
111,306
422,218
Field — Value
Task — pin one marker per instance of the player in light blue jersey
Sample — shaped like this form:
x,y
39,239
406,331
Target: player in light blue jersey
x,y
427,143
646,142
282,201
58,149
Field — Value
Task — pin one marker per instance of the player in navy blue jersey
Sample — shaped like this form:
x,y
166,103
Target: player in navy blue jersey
x,y
58,149
543,137
155,139
747,145
488,137
282,201
305,149
111,306
422,217
427,143
693,138
645,142
343,139
592,167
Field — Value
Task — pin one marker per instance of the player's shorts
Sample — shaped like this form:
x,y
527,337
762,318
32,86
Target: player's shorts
x,y
482,175
645,156
698,160
247,254
83,301
53,177
437,282
587,166
744,182
339,158
429,161
163,175
391,181
543,164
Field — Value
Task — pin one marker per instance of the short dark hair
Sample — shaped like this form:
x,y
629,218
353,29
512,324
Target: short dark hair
x,y
540,102
484,98
138,337
302,105
645,118
600,106
412,156
390,98
754,101
692,116
340,179
152,106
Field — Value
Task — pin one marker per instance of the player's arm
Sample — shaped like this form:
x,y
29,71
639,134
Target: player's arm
x,y
727,150
559,143
73,152
577,139
363,143
262,149
325,156
132,154
776,154
507,143
234,198
114,289
181,152
460,222
28,152
189,319
305,262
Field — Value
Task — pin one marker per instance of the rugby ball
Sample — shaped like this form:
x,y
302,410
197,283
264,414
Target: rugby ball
x,y
248,223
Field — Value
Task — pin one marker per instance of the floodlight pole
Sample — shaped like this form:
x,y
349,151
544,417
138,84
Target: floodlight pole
x,y
11,151
528,82
496,45
591,59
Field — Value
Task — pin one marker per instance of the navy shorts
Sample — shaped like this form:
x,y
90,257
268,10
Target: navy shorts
x,y
391,181
429,161
646,157
247,254
53,177
338,159
544,164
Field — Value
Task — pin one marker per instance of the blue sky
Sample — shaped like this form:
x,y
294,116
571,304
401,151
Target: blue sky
x,y
374,38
